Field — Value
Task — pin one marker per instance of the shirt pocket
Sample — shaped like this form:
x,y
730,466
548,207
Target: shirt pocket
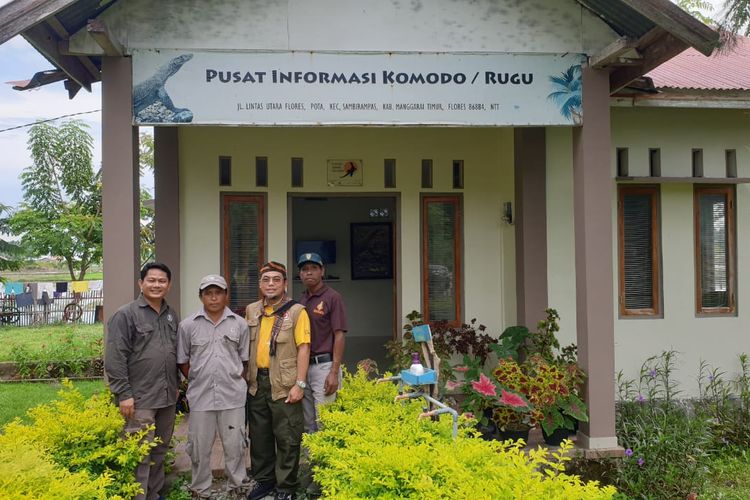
x,y
143,334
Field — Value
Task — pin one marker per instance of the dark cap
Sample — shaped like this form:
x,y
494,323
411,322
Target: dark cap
x,y
212,280
273,266
309,257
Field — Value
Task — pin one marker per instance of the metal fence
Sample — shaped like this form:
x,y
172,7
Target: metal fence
x,y
70,307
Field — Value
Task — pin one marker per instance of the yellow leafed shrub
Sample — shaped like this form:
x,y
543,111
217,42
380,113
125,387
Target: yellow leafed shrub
x,y
78,445
371,447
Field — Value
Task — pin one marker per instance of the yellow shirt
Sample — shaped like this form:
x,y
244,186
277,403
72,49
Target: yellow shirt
x,y
301,335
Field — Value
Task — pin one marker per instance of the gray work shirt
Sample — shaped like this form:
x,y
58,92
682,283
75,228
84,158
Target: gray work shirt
x,y
140,357
215,353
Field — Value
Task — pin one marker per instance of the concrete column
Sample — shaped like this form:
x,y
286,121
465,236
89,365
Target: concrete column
x,y
593,188
531,225
120,192
167,205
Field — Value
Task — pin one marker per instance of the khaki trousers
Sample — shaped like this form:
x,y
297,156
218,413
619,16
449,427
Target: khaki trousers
x,y
202,429
315,394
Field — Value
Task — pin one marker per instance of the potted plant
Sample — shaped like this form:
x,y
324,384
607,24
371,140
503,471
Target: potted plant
x,y
556,397
498,409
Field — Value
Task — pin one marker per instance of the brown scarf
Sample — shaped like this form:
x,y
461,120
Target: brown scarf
x,y
277,322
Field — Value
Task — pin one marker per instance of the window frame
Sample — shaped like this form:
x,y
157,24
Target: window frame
x,y
729,192
227,199
656,273
457,201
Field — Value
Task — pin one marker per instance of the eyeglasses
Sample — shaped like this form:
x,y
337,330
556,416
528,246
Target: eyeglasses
x,y
271,279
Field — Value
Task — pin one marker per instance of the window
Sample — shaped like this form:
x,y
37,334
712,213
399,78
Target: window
x,y
714,250
243,227
441,259
225,170
426,174
638,234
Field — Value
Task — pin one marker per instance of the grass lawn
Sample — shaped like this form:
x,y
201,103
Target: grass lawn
x,y
18,397
730,476
34,277
51,338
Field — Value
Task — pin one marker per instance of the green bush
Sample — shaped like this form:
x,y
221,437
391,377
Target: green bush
x,y
76,440
667,446
371,447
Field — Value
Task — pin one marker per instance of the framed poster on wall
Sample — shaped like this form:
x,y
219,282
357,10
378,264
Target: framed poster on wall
x,y
372,250
344,172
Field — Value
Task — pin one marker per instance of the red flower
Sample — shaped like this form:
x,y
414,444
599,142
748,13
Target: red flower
x,y
513,400
463,369
485,386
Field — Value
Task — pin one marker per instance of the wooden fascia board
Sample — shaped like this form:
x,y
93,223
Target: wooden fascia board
x,y
679,23
654,55
612,53
20,15
98,31
44,39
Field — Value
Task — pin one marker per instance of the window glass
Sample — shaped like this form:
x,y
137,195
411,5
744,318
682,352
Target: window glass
x,y
441,259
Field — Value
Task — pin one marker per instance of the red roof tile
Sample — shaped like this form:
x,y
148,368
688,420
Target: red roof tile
x,y
692,70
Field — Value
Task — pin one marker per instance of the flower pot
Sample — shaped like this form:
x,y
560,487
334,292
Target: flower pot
x,y
489,431
515,435
557,436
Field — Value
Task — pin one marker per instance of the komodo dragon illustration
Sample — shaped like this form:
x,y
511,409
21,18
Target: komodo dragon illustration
x,y
152,104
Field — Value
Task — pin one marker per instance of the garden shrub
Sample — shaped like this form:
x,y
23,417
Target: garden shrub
x,y
81,438
371,447
667,445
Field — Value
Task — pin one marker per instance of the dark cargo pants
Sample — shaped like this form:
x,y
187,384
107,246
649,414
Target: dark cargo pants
x,y
275,437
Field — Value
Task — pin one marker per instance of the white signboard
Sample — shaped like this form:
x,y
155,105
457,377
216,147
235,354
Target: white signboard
x,y
314,88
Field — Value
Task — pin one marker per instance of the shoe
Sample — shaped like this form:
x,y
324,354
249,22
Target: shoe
x,y
259,490
284,495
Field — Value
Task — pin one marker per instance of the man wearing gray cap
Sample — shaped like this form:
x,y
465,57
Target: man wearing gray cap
x,y
213,346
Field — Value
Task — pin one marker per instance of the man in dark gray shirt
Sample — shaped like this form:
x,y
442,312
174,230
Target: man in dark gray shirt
x,y
141,365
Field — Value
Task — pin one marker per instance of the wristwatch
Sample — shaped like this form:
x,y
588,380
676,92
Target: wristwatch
x,y
301,384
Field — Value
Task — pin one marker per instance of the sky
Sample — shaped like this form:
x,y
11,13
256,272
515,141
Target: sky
x,y
19,61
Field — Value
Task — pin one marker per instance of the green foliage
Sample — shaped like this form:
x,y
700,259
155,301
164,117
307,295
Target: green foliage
x,y
37,339
667,446
729,476
468,339
10,252
148,225
61,211
736,18
696,8
511,342
371,447
79,441
726,404
62,352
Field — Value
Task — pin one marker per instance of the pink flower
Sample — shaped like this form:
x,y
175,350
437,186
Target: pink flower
x,y
513,400
461,368
485,386
452,385
468,414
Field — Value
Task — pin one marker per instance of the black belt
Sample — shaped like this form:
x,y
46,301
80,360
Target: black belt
x,y
263,371
321,358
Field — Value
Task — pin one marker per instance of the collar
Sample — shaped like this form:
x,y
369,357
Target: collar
x,y
319,292
226,313
141,301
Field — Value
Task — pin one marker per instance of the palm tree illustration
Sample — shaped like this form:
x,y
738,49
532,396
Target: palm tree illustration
x,y
567,93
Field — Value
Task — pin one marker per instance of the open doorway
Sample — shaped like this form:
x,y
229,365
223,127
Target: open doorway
x,y
355,235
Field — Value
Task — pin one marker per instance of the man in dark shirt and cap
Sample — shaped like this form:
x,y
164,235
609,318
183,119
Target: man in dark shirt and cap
x,y
141,365
325,307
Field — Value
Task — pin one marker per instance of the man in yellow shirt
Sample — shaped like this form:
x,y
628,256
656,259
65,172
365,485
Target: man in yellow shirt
x,y
279,356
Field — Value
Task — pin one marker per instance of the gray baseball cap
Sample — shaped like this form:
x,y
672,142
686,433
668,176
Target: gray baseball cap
x,y
212,280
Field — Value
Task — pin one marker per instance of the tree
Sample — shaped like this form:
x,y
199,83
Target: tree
x,y
61,210
148,229
10,252
736,18
696,8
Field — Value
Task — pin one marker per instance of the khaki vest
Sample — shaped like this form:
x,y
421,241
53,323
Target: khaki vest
x,y
283,368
